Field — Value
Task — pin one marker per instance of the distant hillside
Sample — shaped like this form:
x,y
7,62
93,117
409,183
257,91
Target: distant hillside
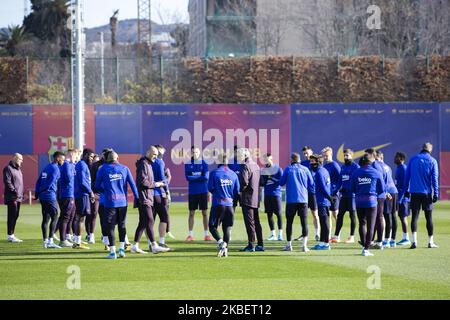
x,y
126,31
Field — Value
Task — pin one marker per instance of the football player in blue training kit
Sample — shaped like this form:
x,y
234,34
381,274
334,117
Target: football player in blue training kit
x,y
390,209
334,170
380,223
347,201
367,184
45,191
402,202
224,185
236,167
83,195
160,200
422,182
197,175
322,181
113,179
299,182
270,180
312,202
168,176
66,197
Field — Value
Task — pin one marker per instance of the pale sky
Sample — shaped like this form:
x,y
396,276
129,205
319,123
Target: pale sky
x,y
97,12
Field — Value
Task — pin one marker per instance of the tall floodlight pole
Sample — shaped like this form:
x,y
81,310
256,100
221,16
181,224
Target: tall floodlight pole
x,y
102,64
78,79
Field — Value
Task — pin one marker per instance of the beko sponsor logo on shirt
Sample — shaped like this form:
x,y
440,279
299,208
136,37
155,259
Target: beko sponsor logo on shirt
x,y
115,176
364,180
44,175
226,182
345,177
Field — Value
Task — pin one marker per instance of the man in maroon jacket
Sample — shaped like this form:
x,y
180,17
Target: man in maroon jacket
x,y
249,182
13,181
146,184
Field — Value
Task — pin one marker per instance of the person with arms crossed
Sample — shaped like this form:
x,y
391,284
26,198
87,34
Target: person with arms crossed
x,y
197,175
347,200
270,180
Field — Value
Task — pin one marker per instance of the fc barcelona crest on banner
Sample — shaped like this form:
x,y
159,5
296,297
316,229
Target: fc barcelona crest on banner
x,y
59,144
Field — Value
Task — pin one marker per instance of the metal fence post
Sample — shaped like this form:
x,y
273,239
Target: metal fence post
x,y
117,80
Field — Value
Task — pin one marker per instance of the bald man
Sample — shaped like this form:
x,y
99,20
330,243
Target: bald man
x,y
13,194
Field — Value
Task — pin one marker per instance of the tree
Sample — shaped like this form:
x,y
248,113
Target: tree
x,y
181,35
48,21
11,38
113,24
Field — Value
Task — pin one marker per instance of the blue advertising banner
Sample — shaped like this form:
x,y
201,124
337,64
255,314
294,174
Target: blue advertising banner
x,y
118,127
16,129
445,127
389,127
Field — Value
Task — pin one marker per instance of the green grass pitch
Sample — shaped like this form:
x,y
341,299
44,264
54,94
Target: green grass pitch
x,y
193,271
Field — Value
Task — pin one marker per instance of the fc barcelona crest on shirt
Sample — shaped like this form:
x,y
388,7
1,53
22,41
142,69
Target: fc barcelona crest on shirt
x,y
59,144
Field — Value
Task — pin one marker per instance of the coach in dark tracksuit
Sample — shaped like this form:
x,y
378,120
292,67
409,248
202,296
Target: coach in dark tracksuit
x,y
13,193
146,189
249,187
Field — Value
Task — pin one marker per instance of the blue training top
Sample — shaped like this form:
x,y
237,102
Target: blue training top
x,y
224,185
322,181
334,169
298,181
270,180
66,184
422,174
197,175
112,180
345,183
367,185
46,185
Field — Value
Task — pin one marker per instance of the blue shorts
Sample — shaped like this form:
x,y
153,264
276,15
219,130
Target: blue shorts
x,y
403,209
83,206
49,208
323,211
335,203
198,201
421,200
347,204
312,202
272,204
